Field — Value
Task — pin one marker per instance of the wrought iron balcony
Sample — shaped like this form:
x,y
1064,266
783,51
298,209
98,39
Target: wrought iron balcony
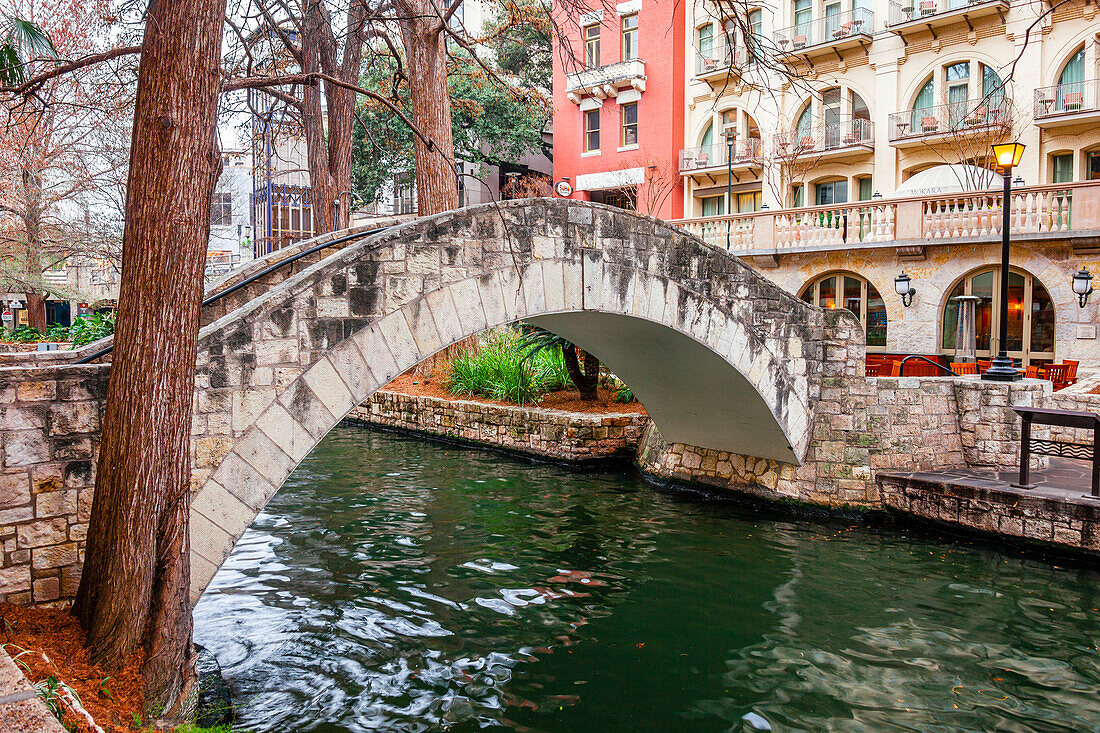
x,y
927,15
855,135
605,81
1067,104
718,62
851,28
989,116
746,154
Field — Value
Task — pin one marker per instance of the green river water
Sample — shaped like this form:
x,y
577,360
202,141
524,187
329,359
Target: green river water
x,y
399,585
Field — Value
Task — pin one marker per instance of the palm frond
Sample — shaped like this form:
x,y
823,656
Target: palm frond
x,y
22,42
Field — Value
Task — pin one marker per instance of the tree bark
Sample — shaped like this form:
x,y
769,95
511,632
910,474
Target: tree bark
x,y
134,590
586,380
36,310
430,100
329,147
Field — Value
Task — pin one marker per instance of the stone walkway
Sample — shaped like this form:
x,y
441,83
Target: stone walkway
x,y
1064,480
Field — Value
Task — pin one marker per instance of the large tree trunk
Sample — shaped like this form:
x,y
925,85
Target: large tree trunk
x,y
587,380
329,147
430,99
36,309
135,585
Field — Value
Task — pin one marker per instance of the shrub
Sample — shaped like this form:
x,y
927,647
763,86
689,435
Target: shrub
x,y
26,335
87,329
497,370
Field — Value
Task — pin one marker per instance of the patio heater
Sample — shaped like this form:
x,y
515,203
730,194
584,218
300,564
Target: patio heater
x,y
966,337
1001,369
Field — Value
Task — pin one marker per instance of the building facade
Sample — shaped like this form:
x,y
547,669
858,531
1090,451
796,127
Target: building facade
x,y
619,104
835,144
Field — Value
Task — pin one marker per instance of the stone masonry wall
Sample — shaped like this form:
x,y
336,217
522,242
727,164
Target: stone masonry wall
x,y
862,426
49,423
569,436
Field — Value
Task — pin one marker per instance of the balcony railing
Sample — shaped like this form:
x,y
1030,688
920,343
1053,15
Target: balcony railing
x,y
1036,210
1067,99
990,114
719,59
831,29
827,137
620,73
906,11
746,151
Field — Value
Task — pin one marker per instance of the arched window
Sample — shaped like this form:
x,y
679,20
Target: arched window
x,y
968,88
847,290
708,136
704,40
1030,315
805,120
1074,70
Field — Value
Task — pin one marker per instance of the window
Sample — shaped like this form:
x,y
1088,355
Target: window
x,y
756,27
1094,167
798,195
630,124
748,202
704,40
591,130
1074,70
592,46
865,189
630,37
404,194
1061,168
1030,315
803,14
713,205
221,210
845,290
832,192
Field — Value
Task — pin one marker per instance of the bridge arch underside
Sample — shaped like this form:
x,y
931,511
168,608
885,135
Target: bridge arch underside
x,y
721,358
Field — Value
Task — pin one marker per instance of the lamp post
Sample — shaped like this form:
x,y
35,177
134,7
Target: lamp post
x,y
1001,368
731,138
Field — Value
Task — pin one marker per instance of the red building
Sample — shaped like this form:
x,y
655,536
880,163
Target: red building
x,y
619,104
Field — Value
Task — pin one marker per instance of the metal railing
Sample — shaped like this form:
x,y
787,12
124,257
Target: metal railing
x,y
214,298
1064,99
1036,210
907,11
830,136
719,58
830,29
989,114
745,151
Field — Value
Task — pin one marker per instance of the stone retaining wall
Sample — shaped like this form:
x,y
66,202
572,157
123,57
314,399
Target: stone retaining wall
x,y
49,420
567,436
1071,521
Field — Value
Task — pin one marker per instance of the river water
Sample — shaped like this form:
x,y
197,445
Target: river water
x,y
399,585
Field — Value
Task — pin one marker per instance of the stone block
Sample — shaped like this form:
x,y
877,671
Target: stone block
x,y
25,447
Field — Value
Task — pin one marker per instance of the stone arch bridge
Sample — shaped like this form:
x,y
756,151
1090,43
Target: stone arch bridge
x,y
721,358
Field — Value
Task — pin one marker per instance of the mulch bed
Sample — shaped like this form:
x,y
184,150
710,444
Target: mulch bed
x,y
566,399
112,700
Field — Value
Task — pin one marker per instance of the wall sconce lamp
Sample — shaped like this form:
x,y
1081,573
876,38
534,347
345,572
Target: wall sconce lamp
x,y
1082,286
903,286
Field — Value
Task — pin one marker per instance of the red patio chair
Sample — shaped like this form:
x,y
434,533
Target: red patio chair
x,y
964,367
983,364
1032,372
927,7
842,31
1056,373
1071,374
1072,101
798,41
929,124
977,117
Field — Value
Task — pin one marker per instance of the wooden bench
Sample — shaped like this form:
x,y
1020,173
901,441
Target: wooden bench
x,y
1059,448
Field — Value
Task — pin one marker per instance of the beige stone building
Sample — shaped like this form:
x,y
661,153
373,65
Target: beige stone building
x,y
817,135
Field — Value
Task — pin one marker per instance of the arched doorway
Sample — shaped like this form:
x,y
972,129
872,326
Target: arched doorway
x,y
1030,315
857,294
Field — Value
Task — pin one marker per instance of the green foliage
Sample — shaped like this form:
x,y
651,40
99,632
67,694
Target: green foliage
x,y
519,33
49,692
623,393
491,124
87,329
56,332
21,41
502,370
26,335
192,728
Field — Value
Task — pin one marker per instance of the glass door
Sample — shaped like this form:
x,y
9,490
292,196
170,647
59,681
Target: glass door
x,y
1030,316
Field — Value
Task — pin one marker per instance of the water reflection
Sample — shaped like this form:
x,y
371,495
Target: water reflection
x,y
398,585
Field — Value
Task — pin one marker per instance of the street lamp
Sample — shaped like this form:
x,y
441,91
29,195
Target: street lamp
x,y
1082,286
903,286
1001,368
731,138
